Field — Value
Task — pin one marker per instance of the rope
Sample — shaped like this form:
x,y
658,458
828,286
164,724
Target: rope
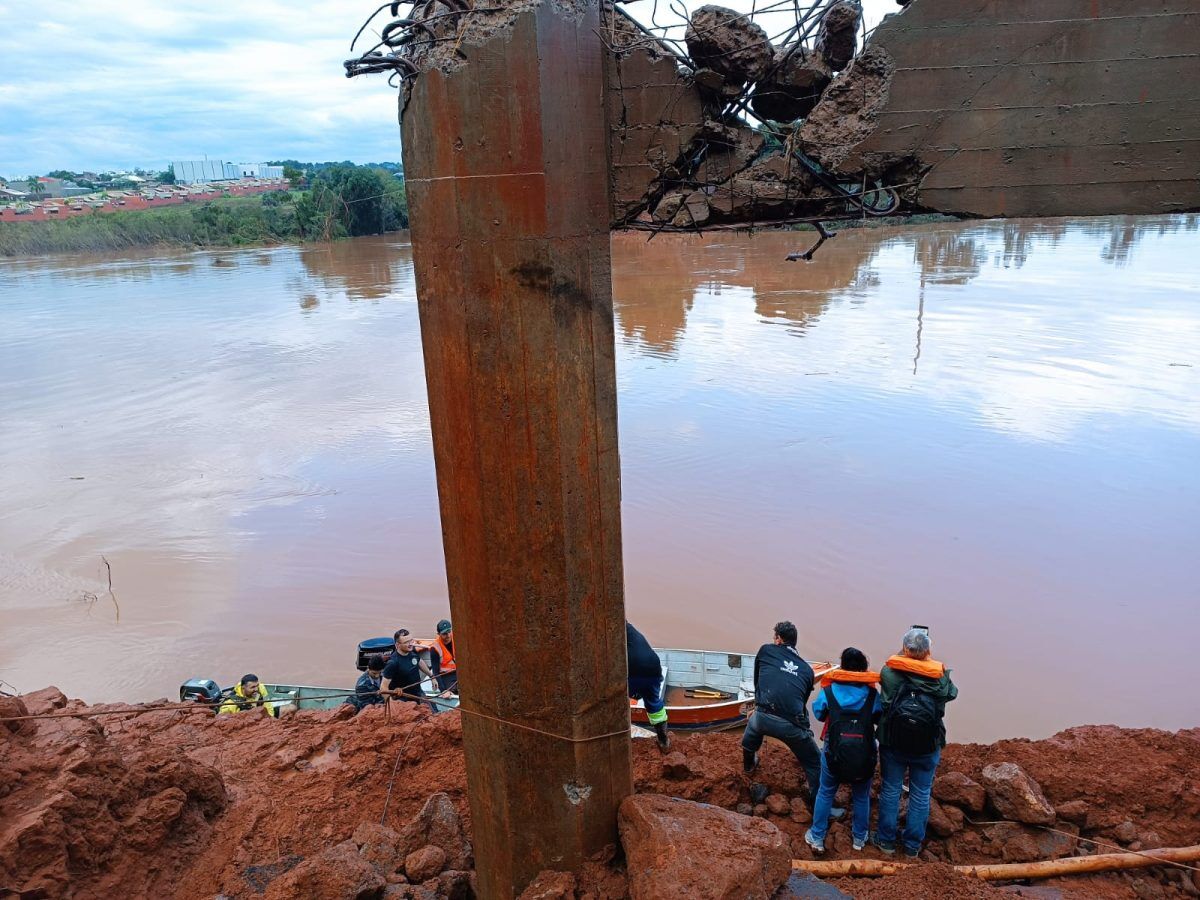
x,y
395,766
1149,854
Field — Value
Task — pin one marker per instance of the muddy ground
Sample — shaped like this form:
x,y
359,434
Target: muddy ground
x,y
180,804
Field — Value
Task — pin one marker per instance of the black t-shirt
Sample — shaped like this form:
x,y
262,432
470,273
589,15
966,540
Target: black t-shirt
x,y
643,661
782,682
403,672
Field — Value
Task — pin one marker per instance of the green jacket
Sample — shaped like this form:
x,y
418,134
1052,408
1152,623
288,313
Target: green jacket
x,y
942,689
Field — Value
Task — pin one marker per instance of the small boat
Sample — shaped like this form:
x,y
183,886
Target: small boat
x,y
706,690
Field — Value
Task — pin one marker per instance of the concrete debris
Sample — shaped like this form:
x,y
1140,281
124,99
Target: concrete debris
x,y
729,43
837,39
849,113
798,78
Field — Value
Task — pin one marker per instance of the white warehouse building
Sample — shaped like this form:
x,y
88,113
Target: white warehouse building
x,y
199,171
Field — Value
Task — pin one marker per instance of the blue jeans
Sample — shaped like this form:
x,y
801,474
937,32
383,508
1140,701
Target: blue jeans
x,y
861,792
920,769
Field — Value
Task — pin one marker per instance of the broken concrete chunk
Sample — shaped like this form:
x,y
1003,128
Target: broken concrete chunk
x,y
694,211
849,113
728,43
837,39
794,87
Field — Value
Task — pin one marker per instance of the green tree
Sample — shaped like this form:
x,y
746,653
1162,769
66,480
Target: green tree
x,y
35,187
294,176
166,176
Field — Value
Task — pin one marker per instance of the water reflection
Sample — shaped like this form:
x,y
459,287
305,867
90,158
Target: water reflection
x,y
980,427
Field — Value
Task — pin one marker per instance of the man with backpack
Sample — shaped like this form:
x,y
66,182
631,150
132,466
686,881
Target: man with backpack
x,y
912,734
849,705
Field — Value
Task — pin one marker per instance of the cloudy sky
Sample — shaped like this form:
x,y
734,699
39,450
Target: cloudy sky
x,y
118,84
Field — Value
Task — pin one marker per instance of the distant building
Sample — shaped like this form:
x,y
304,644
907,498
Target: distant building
x,y
59,187
7,193
200,171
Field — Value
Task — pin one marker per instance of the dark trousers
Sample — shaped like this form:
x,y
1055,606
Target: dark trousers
x,y
798,739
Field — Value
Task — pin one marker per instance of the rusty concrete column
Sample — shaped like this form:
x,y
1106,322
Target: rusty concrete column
x,y
506,164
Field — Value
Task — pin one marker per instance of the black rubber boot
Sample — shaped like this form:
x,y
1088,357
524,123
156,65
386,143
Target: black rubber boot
x,y
664,736
749,761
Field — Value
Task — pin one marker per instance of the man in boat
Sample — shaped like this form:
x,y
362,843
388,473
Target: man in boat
x,y
405,671
249,694
849,705
366,689
447,668
646,682
916,689
782,684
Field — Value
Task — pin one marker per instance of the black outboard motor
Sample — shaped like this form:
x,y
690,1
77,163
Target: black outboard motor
x,y
199,690
368,648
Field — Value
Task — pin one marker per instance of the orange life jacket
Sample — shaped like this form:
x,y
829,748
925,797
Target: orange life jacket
x,y
930,668
447,655
841,676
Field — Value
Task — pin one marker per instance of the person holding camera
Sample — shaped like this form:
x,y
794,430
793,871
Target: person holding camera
x,y
916,689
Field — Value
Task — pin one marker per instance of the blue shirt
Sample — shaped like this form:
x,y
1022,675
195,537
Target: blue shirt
x,y
848,696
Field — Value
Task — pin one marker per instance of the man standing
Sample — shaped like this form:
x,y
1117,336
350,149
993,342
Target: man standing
x,y
405,671
447,668
646,682
782,683
912,734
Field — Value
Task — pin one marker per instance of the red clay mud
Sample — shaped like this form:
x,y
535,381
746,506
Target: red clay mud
x,y
181,804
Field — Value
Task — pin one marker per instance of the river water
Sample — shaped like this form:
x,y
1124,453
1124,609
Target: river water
x,y
989,428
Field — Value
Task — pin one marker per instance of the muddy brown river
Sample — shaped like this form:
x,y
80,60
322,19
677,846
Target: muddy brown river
x,y
989,428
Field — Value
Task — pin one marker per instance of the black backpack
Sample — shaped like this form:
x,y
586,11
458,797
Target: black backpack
x,y
850,741
911,722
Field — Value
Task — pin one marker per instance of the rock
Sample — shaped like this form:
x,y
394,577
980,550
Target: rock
x,y
1126,832
423,864
154,818
745,809
1075,811
694,210
761,809
379,845
849,113
837,38
1017,796
801,814
455,885
1020,843
680,849
337,873
793,88
438,823
550,885
11,707
957,788
728,43
779,805
675,765
44,701
1151,840
944,820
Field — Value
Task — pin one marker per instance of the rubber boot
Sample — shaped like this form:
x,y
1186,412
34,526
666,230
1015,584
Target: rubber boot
x,y
749,761
664,736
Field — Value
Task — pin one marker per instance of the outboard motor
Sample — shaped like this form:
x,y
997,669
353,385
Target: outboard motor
x,y
368,648
199,690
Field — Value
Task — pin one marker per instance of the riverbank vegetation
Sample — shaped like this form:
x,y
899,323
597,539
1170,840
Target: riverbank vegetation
x,y
340,201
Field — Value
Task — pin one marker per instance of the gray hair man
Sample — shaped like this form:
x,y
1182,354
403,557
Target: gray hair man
x,y
916,689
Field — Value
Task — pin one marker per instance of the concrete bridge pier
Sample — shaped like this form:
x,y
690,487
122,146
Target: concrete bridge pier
x,y
506,165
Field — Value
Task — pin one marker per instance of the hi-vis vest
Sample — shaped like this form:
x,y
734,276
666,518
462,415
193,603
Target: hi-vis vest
x,y
448,664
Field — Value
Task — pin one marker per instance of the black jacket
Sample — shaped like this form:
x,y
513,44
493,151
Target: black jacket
x,y
643,661
782,683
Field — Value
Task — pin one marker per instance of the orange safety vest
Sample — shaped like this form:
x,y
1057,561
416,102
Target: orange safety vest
x,y
447,655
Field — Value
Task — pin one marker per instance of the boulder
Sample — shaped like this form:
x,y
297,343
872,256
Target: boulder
x,y
779,805
794,86
1016,796
379,845
837,38
1075,811
801,814
957,788
12,707
849,113
1019,843
44,701
455,885
337,873
945,820
423,864
438,823
728,43
680,849
550,885
1126,832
